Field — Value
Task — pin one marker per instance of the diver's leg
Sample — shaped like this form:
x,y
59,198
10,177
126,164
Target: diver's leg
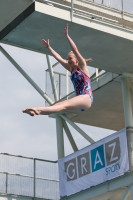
x,y
81,102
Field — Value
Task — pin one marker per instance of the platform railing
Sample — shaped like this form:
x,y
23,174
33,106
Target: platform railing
x,y
62,80
73,10
118,12
31,177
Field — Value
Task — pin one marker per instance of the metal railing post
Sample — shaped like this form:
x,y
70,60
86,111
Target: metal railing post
x,y
97,72
6,182
52,78
122,9
67,83
59,86
34,184
72,2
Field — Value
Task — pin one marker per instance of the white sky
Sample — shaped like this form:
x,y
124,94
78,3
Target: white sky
x,y
21,134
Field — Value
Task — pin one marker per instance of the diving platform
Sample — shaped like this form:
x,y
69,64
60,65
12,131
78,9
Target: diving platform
x,y
101,37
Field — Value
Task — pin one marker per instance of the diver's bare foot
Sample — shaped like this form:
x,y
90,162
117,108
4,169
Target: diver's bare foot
x,y
31,111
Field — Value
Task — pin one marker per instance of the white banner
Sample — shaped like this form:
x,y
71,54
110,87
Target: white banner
x,y
95,164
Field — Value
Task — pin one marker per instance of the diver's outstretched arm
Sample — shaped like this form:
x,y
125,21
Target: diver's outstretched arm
x,y
63,62
74,48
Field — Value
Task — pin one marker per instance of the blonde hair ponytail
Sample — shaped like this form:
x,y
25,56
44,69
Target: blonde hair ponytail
x,y
87,60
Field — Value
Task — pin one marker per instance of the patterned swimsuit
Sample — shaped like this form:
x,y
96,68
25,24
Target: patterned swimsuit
x,y
81,83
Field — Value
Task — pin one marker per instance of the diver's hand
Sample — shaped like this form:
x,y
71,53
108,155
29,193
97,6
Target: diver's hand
x,y
45,43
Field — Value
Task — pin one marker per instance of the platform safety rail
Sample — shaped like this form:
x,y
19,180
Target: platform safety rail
x,y
115,12
31,177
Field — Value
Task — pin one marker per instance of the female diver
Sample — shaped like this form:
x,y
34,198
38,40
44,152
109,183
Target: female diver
x,y
80,78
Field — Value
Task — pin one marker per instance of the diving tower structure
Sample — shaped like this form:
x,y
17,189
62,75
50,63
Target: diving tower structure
x,y
105,31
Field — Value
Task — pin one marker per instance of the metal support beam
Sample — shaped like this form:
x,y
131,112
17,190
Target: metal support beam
x,y
52,78
127,103
44,95
127,90
126,193
55,64
87,137
60,138
70,138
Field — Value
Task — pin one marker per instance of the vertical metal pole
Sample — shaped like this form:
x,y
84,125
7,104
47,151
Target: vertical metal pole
x,y
60,138
6,182
67,83
128,115
72,2
122,8
52,78
127,103
129,133
59,86
34,184
96,72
